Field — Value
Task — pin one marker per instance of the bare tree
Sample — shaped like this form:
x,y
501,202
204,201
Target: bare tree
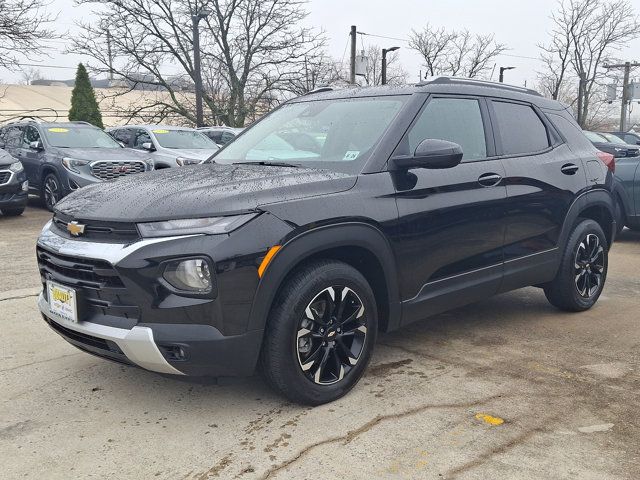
x,y
30,74
455,53
23,27
586,34
317,72
250,51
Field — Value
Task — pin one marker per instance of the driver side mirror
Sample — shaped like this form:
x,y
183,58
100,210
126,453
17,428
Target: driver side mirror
x,y
37,146
430,153
148,146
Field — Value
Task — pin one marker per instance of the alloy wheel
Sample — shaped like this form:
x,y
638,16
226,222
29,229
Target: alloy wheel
x,y
331,336
589,266
51,191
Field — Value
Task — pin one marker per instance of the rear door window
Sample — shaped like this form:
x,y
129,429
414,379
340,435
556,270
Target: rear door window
x,y
520,129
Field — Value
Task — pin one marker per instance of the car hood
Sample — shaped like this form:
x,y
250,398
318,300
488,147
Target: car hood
x,y
109,154
196,153
6,159
199,191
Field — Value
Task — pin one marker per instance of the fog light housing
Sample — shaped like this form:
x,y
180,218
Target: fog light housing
x,y
192,275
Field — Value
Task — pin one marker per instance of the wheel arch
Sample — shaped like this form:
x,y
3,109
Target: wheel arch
x,y
361,245
597,205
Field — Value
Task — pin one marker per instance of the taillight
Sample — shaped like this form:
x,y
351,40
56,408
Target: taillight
x,y
609,160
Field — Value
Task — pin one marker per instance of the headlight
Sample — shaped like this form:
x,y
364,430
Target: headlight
x,y
16,167
192,275
211,226
72,164
182,161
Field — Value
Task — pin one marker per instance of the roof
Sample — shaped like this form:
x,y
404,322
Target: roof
x,y
152,127
445,85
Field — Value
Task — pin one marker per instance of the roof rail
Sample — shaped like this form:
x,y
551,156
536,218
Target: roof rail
x,y
319,90
80,122
476,82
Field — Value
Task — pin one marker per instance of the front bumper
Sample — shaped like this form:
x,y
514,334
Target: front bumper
x,y
137,344
127,316
12,193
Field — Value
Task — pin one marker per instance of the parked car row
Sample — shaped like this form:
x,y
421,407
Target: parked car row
x,y
59,158
625,147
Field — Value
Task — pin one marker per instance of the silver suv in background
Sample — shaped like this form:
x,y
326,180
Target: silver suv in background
x,y
168,146
61,157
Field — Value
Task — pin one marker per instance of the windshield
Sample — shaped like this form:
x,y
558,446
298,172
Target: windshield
x,y
183,139
595,137
337,134
79,137
613,139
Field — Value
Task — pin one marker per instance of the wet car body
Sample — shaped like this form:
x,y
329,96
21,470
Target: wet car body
x,y
425,239
14,186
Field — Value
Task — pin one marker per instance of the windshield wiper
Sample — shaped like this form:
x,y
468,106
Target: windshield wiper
x,y
268,164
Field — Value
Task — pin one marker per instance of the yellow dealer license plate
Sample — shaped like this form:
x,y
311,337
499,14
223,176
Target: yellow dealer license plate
x,y
62,302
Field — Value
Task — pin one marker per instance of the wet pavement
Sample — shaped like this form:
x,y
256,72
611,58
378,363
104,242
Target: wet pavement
x,y
506,388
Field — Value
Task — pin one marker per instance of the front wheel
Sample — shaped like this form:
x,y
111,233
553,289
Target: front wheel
x,y
320,333
583,269
52,191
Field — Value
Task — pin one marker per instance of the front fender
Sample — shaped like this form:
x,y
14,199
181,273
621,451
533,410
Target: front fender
x,y
309,243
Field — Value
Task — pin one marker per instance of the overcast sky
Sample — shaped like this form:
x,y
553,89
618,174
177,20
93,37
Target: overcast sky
x,y
520,25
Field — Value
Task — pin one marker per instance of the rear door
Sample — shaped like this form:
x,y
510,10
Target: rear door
x,y
543,177
450,230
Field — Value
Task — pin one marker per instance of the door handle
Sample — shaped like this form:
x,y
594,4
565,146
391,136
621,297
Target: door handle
x,y
489,179
569,169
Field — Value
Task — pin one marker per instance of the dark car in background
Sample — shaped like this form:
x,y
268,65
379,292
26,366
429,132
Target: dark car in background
x,y
631,138
618,148
221,134
13,185
341,214
59,158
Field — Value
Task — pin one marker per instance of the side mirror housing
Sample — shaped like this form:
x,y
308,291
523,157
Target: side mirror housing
x,y
148,146
430,153
37,145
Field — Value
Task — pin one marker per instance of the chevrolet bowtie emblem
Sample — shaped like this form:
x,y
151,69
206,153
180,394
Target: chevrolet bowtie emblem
x,y
75,228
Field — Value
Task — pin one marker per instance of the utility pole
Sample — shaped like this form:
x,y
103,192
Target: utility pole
x,y
110,56
581,88
195,20
354,32
626,100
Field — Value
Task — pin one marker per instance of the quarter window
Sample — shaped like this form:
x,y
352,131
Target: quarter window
x,y
520,129
457,120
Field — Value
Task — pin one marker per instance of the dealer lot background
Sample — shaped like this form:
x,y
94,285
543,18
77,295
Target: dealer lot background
x,y
430,406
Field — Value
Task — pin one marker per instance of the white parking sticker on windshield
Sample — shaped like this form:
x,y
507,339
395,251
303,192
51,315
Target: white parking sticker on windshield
x,y
351,155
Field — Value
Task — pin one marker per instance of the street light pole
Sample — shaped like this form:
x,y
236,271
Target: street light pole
x,y
195,19
384,62
502,70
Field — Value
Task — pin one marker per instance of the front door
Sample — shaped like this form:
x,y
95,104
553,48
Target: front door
x,y
32,158
450,230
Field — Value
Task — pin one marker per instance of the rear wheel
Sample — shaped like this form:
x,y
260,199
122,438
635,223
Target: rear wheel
x,y
320,334
583,269
52,191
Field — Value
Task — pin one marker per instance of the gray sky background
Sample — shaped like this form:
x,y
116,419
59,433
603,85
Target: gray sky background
x,y
520,25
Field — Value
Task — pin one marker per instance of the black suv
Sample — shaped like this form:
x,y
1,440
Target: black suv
x,y
61,157
13,185
338,215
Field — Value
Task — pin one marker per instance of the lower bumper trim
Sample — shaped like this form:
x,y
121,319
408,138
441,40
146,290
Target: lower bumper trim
x,y
136,344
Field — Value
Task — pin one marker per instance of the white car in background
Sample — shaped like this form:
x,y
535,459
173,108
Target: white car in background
x,y
168,146
221,134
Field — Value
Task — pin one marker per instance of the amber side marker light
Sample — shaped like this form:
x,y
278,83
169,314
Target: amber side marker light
x,y
267,259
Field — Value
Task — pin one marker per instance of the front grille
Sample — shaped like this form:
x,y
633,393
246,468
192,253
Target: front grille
x,y
86,339
102,295
4,177
112,170
77,272
116,232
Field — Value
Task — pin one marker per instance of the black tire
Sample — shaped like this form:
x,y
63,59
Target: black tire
x,y
13,212
51,191
621,217
291,359
583,269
